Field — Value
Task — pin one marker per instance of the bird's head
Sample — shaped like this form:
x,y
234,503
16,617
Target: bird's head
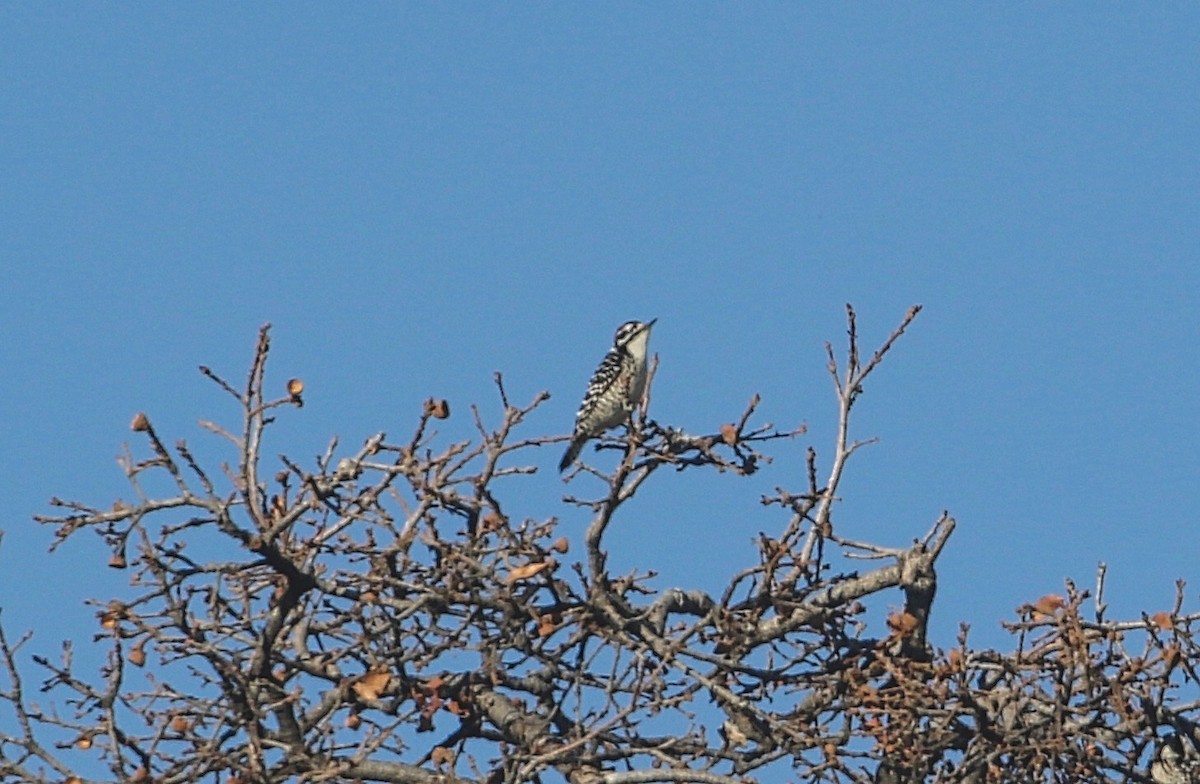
x,y
632,331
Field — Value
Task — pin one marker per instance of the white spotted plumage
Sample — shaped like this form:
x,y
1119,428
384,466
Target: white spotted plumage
x,y
615,388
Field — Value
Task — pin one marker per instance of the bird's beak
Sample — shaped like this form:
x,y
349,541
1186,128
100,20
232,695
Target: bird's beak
x,y
650,323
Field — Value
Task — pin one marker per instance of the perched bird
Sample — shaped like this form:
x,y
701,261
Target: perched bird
x,y
616,387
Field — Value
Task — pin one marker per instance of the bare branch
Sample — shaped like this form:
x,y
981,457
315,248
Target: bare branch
x,y
396,611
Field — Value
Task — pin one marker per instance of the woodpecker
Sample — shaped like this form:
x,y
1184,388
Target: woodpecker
x,y
616,387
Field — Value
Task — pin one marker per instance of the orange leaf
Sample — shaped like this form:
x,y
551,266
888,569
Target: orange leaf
x,y
294,387
371,685
438,409
902,624
180,724
526,571
110,618
140,423
137,654
353,721
441,756
1163,621
1049,604
771,548
561,545
548,623
729,434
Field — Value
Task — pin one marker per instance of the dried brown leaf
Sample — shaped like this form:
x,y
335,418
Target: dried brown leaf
x,y
1163,621
526,571
111,617
1049,604
902,624
548,623
1170,656
372,684
441,756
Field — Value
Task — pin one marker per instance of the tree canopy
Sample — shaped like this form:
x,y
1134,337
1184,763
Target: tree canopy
x,y
376,614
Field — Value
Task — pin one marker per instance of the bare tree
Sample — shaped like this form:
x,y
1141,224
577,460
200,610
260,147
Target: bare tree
x,y
379,616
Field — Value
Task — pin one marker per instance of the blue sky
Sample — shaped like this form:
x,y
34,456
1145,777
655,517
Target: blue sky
x,y
419,195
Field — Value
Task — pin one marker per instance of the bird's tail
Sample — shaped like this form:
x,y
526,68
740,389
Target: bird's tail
x,y
571,453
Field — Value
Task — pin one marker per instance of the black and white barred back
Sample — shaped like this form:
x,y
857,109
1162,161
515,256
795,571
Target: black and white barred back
x,y
615,389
